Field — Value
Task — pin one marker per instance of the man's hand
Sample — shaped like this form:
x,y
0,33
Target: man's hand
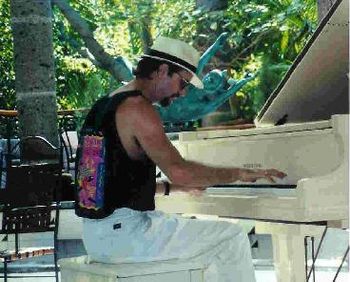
x,y
250,175
244,175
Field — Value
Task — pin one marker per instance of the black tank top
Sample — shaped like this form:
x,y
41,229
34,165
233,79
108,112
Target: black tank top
x,y
130,183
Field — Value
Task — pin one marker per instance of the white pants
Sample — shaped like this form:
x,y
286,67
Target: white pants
x,y
133,236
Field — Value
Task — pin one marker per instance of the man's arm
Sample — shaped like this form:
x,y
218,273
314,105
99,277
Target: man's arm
x,y
148,130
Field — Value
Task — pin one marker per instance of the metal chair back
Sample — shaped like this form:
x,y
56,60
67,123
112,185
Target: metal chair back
x,y
31,197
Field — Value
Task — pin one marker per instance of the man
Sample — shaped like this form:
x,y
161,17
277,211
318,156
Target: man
x,y
134,232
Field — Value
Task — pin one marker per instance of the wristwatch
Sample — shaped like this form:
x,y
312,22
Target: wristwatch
x,y
166,188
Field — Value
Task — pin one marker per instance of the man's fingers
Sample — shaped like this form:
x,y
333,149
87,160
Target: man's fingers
x,y
269,178
276,173
267,174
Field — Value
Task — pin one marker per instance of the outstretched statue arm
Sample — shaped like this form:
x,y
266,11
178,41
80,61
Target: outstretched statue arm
x,y
211,51
223,96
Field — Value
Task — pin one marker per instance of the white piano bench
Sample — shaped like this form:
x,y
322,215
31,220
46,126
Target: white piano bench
x,y
78,269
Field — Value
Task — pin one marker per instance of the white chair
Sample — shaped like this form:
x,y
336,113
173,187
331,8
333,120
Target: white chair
x,y
80,269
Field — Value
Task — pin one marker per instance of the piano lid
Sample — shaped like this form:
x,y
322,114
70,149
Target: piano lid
x,y
316,85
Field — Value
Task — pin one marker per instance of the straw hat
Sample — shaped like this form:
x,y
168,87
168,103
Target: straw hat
x,y
179,53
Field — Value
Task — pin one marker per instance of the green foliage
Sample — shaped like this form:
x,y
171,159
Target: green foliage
x,y
83,86
7,74
78,82
175,18
264,35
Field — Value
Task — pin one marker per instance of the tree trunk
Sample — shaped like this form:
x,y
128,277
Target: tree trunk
x,y
117,67
212,5
146,36
34,68
323,7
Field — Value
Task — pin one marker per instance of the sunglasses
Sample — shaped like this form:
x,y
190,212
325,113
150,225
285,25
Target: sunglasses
x,y
183,82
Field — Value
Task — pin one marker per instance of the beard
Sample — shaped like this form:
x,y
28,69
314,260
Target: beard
x,y
165,102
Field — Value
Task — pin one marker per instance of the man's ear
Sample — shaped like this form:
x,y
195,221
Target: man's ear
x,y
163,70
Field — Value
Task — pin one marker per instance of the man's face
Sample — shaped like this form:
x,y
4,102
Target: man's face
x,y
177,86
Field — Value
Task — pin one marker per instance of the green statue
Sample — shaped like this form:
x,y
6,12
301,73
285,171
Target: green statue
x,y
197,103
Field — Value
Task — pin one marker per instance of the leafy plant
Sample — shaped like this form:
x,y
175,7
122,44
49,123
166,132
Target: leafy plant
x,y
7,73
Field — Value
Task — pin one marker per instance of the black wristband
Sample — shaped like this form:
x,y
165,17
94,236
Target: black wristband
x,y
166,188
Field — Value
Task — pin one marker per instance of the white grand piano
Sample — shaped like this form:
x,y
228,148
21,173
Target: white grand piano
x,y
302,130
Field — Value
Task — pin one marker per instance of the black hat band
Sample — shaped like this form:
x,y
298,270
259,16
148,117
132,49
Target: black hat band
x,y
176,60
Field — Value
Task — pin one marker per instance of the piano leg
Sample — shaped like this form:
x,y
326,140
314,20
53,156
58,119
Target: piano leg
x,y
288,247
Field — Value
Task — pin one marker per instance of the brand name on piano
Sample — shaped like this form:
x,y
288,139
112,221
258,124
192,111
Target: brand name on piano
x,y
252,166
